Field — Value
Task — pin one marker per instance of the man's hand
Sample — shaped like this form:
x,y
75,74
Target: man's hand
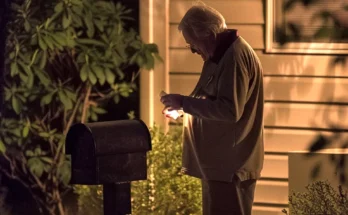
x,y
173,114
173,101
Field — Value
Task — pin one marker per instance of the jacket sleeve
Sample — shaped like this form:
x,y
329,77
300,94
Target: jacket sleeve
x,y
231,96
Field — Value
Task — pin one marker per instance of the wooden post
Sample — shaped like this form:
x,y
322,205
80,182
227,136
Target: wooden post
x,y
154,28
117,199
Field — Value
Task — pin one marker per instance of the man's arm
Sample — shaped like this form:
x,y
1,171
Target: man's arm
x,y
231,97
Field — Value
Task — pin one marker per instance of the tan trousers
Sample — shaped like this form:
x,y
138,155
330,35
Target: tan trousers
x,y
228,198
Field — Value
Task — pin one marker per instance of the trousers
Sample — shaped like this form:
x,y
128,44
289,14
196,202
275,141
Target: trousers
x,y
228,198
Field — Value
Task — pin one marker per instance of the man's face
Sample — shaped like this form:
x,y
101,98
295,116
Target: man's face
x,y
196,45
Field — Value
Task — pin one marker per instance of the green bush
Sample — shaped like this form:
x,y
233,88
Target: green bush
x,y
65,61
166,192
320,198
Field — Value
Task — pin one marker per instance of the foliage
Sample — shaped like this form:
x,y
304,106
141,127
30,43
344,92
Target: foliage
x,y
320,198
90,200
66,60
166,192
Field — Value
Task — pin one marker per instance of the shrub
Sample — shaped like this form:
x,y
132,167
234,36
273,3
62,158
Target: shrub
x,y
320,198
66,59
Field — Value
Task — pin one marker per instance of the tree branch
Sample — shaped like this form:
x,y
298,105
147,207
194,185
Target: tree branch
x,y
85,104
73,115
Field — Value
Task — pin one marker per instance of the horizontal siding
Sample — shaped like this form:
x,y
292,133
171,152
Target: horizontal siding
x,y
303,89
285,140
259,210
236,11
306,89
275,166
282,141
305,115
184,61
301,65
253,34
272,192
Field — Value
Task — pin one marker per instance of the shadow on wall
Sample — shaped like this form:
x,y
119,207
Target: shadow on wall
x,y
284,84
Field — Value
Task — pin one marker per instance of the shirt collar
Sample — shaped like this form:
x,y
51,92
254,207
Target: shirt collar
x,y
225,40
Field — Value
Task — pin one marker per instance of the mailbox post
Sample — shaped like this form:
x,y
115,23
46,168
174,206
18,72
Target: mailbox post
x,y
111,154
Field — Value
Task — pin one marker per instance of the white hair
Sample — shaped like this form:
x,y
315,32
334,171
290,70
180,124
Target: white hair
x,y
202,20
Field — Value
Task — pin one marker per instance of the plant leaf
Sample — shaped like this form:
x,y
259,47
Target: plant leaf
x,y
76,20
59,7
94,116
71,95
14,69
150,64
120,73
2,147
36,166
30,82
65,100
27,26
47,159
26,131
84,72
47,99
43,60
152,47
66,21
48,41
99,72
92,78
110,77
16,105
64,172
99,24
25,67
99,110
117,98
42,77
91,42
60,38
89,24
77,10
44,134
42,44
33,58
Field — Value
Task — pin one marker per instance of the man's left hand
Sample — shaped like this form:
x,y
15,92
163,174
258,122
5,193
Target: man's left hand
x,y
173,101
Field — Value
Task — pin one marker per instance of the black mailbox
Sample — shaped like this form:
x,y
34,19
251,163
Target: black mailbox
x,y
112,154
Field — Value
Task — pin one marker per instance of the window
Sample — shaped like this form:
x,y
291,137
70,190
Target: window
x,y
319,27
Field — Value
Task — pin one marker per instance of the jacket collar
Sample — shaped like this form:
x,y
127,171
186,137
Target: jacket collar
x,y
225,40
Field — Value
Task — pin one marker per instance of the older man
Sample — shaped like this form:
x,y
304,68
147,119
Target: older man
x,y
223,122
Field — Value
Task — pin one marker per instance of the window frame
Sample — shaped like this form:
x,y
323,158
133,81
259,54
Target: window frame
x,y
296,47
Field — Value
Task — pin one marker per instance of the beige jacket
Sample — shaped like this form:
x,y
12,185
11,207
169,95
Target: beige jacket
x,y
223,122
